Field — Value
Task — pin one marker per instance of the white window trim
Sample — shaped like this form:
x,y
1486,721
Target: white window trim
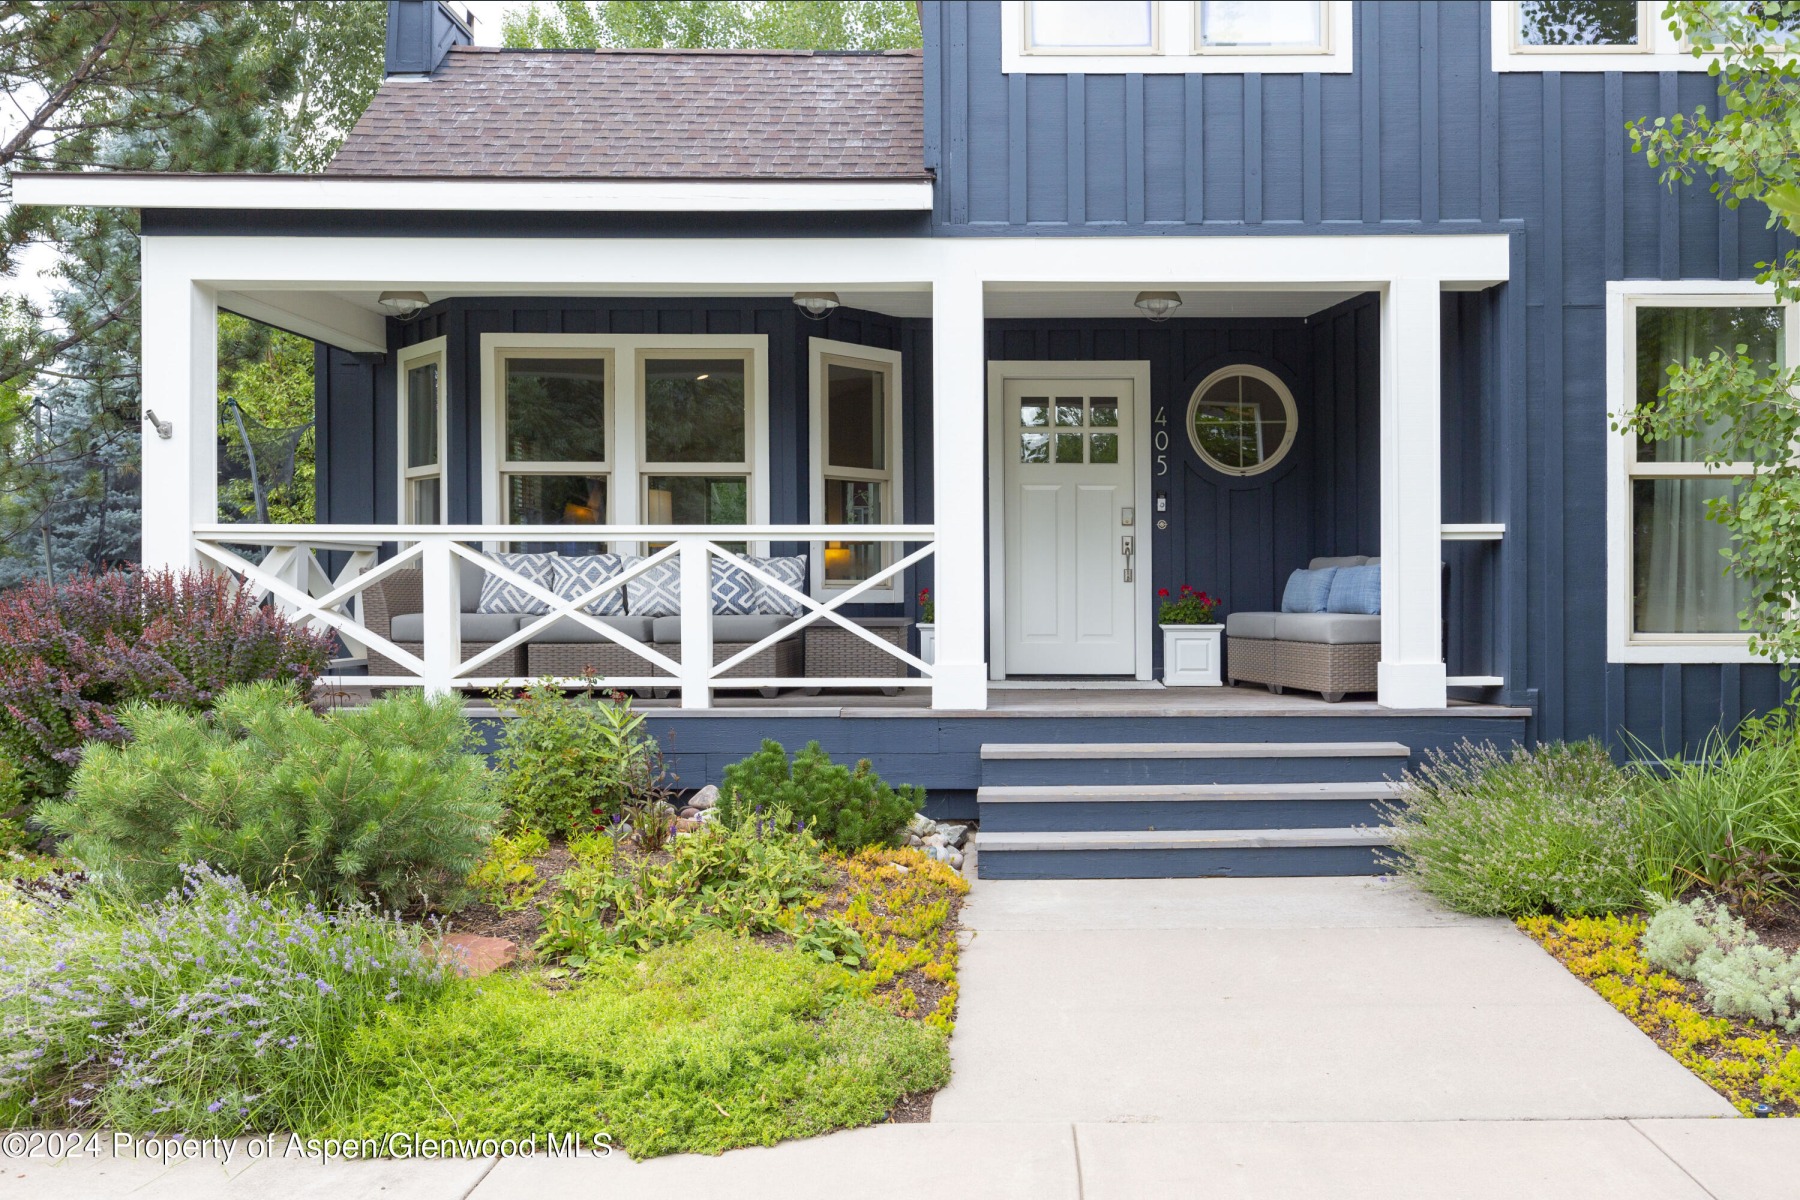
x,y
1288,404
433,350
625,469
1176,49
1661,50
1155,47
822,351
1623,298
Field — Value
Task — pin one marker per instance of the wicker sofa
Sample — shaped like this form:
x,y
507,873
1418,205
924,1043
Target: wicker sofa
x,y
1333,654
394,607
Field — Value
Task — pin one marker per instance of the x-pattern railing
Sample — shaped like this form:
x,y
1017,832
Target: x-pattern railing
x,y
292,576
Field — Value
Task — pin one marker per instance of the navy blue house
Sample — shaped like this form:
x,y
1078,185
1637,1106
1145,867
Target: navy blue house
x,y
882,398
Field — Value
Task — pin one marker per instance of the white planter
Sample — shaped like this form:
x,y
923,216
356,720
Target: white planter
x,y
927,642
1192,655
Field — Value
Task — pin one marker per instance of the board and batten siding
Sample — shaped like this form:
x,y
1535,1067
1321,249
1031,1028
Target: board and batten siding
x,y
1422,137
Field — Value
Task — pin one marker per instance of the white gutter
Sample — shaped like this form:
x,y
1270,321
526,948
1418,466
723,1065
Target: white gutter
x,y
355,194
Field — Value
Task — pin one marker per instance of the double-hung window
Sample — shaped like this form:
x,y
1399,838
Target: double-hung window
x,y
422,433
1672,599
856,460
624,429
1176,36
1613,35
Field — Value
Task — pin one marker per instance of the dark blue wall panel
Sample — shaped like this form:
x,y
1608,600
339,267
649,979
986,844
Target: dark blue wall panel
x,y
1421,138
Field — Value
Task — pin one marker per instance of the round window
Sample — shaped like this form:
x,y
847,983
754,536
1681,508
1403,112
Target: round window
x,y
1241,420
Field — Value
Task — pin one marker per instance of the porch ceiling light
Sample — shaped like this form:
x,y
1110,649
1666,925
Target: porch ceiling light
x,y
816,305
404,305
1157,305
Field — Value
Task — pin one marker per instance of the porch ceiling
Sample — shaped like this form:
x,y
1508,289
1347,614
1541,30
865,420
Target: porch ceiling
x,y
352,318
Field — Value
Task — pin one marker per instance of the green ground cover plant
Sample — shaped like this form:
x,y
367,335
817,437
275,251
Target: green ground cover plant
x,y
1555,829
573,763
1745,1065
506,878
699,1046
212,1011
846,808
382,802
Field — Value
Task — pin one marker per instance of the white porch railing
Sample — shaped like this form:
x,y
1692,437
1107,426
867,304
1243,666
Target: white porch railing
x,y
292,576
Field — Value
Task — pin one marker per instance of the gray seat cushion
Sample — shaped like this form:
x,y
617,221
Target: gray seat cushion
x,y
571,632
1333,629
1347,560
725,628
476,627
1257,625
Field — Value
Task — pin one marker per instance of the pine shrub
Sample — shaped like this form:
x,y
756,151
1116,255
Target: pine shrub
x,y
843,807
382,802
1551,829
73,654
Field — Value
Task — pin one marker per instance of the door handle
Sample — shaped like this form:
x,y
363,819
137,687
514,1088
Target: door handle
x,y
1127,547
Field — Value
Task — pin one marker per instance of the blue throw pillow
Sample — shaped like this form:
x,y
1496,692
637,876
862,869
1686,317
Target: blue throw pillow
x,y
1307,591
1355,590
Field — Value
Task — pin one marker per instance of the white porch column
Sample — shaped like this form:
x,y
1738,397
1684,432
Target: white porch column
x,y
959,497
180,382
1412,656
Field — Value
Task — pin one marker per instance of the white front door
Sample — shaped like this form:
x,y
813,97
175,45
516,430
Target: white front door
x,y
1070,487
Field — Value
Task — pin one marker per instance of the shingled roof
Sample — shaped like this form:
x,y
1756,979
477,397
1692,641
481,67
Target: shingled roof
x,y
648,114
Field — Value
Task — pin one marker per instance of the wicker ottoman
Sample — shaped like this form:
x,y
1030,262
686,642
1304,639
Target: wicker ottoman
x,y
1328,653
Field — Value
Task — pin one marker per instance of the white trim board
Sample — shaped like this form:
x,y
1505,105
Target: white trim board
x,y
998,372
350,194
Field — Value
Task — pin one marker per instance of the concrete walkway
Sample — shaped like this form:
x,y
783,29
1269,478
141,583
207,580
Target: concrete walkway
x,y
1209,1038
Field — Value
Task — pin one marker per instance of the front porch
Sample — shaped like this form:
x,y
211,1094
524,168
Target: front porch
x,y
833,547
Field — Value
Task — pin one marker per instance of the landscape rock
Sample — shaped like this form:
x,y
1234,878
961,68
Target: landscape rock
x,y
689,813
472,956
921,824
913,839
934,839
954,835
706,797
687,824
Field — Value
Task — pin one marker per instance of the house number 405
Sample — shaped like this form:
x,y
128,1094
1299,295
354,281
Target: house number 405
x,y
1161,440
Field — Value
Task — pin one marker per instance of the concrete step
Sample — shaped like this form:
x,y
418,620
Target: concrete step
x,y
1145,854
1185,806
1190,762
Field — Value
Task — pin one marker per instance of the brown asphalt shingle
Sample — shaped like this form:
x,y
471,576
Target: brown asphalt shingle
x,y
648,114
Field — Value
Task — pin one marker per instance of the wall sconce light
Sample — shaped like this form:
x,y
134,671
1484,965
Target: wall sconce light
x,y
816,305
402,306
1157,305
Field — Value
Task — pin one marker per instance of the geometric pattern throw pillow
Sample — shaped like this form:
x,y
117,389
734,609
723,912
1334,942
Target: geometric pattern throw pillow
x,y
577,575
657,592
791,570
499,596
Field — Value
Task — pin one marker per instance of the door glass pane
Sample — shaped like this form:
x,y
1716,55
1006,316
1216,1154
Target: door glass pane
x,y
555,410
1578,23
1034,447
1103,412
426,509
422,416
1675,335
1068,447
856,418
1105,448
852,502
694,410
1227,23
1679,583
1034,411
1068,411
1084,24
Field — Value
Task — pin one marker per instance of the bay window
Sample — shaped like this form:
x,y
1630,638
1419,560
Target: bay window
x,y
422,433
856,458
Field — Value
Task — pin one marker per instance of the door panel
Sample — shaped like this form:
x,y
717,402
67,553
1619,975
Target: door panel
x,y
1069,477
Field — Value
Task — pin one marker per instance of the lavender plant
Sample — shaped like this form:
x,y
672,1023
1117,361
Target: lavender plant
x,y
1551,829
214,1011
